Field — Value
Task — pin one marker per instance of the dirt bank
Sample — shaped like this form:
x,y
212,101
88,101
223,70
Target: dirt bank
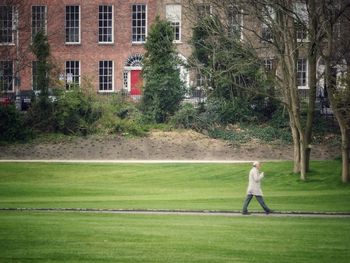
x,y
177,145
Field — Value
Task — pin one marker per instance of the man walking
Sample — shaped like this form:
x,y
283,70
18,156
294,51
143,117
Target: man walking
x,y
254,189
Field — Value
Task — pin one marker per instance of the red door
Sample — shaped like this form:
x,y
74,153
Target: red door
x,y
136,82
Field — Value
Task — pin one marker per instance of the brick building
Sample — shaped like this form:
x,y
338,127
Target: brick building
x,y
99,41
244,24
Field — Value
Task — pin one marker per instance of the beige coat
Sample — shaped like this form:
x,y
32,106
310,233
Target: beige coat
x,y
255,176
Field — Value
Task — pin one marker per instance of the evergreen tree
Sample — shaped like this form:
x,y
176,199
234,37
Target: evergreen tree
x,y
41,50
42,109
163,89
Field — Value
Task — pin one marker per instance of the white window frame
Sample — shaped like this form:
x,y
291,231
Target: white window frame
x,y
306,86
269,15
126,80
301,17
112,39
13,77
238,22
175,20
105,91
14,17
134,62
200,80
265,27
65,26
146,23
202,5
45,17
67,85
176,26
297,30
268,64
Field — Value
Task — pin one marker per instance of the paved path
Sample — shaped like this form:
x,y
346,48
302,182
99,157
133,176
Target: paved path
x,y
183,212
132,161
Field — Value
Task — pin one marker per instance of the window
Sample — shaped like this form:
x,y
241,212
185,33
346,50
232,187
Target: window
x,y
301,20
203,10
6,76
106,76
139,23
302,73
201,80
173,15
268,64
234,21
266,34
301,31
105,24
72,73
6,25
268,16
177,31
301,12
38,20
72,24
126,80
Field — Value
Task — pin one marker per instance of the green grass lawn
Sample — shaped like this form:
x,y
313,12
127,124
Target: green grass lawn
x,y
169,186
88,237
72,237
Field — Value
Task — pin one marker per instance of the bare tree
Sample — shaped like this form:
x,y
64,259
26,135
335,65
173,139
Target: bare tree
x,y
273,28
15,45
20,21
336,48
269,28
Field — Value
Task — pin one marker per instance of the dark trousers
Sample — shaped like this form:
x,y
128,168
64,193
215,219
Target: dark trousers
x,y
260,200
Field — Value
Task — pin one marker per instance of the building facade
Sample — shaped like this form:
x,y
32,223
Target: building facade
x,y
101,42
96,41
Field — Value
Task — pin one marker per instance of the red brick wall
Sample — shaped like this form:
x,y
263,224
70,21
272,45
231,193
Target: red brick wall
x,y
89,52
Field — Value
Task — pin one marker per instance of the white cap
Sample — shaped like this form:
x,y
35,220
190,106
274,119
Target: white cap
x,y
255,163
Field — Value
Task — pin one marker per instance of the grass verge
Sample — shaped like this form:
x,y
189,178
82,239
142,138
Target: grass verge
x,y
169,186
64,237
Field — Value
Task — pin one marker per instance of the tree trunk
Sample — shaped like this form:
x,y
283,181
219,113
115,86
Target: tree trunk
x,y
312,68
296,146
307,156
303,157
345,153
342,121
311,108
295,111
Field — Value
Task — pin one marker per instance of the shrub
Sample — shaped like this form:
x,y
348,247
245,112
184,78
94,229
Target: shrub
x,y
233,137
111,123
117,115
74,113
129,127
186,117
244,134
270,134
13,125
41,120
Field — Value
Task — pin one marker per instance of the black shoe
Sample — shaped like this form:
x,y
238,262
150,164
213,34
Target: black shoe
x,y
245,213
269,212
